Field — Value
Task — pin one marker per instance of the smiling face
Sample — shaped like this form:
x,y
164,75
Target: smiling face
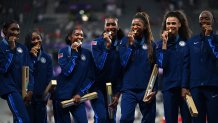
x,y
173,25
36,39
205,18
111,25
138,26
76,36
12,30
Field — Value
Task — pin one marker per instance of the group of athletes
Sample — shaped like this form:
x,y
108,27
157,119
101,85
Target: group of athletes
x,y
189,65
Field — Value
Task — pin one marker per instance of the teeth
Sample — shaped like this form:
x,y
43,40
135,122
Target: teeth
x,y
134,31
109,32
80,42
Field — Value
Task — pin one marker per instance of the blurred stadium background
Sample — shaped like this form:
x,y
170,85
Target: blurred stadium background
x,y
53,18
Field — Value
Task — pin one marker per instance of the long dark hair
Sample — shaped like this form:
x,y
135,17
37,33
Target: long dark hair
x,y
147,33
184,31
28,38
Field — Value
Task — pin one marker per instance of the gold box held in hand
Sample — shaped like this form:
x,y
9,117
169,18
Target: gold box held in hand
x,y
109,99
191,105
51,86
84,98
151,82
25,80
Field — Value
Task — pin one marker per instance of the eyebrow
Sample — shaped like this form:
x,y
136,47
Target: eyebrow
x,y
111,23
78,33
173,23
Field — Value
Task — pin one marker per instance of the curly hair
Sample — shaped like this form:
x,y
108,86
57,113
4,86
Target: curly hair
x,y
147,33
184,31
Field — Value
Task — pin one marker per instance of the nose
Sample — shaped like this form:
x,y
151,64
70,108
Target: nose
x,y
36,42
203,20
17,31
134,28
171,25
207,22
110,27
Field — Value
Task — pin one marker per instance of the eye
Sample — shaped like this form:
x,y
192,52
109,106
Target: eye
x,y
207,18
36,38
112,24
76,34
15,29
173,23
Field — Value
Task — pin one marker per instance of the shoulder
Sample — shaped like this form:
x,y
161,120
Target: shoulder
x,y
195,38
97,41
63,50
3,46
